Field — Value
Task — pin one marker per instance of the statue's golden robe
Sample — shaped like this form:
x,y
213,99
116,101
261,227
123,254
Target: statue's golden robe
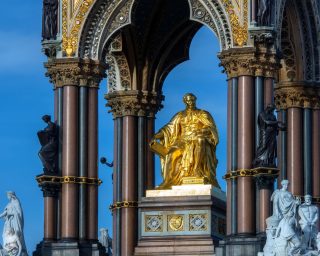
x,y
190,140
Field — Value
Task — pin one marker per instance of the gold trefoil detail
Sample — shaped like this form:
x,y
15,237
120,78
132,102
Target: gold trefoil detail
x,y
70,32
240,33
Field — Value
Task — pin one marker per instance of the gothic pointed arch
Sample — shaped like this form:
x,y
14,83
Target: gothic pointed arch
x,y
296,23
107,17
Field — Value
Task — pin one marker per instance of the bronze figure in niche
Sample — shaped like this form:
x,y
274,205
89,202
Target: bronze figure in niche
x,y
187,146
264,12
48,153
50,19
269,127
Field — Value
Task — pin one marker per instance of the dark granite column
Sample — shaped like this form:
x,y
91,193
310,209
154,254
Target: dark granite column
x,y
229,145
129,186
307,150
282,147
268,91
234,153
69,211
254,7
150,155
83,160
142,163
246,198
265,207
295,160
259,107
92,203
59,122
50,218
117,186
316,153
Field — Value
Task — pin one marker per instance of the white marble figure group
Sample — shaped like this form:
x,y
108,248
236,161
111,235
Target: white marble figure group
x,y
292,228
106,240
13,238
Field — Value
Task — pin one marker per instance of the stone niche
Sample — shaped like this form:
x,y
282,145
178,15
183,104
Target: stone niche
x,y
185,220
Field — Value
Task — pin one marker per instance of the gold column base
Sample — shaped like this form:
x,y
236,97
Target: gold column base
x,y
194,180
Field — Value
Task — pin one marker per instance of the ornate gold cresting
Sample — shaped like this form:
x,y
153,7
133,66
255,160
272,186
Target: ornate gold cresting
x,y
75,72
298,95
239,31
71,24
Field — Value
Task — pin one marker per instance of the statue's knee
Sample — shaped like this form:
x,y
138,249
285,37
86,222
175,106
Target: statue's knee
x,y
201,140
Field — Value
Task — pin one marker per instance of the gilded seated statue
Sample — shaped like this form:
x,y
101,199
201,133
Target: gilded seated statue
x,y
187,146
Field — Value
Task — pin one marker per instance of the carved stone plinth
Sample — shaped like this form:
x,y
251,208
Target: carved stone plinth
x,y
240,246
187,220
70,248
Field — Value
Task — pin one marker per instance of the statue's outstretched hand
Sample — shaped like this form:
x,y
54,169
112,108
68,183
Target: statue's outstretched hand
x,y
158,136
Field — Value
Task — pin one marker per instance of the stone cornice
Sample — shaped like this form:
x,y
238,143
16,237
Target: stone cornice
x,y
250,61
134,103
297,95
75,72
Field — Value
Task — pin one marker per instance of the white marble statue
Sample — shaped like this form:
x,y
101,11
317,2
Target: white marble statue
x,y
106,240
13,227
318,242
308,214
12,244
283,201
287,239
269,248
292,228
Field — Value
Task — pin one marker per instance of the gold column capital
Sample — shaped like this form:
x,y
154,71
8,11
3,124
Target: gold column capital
x,y
297,95
250,61
75,71
134,103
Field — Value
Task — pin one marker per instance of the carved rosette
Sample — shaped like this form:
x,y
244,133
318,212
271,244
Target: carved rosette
x,y
76,72
134,103
251,61
295,95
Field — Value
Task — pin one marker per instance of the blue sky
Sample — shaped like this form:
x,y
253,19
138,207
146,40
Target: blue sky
x,y
26,95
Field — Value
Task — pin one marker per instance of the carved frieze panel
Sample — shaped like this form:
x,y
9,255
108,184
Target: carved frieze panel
x,y
295,95
177,222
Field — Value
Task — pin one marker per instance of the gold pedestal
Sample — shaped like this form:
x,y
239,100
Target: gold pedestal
x,y
194,180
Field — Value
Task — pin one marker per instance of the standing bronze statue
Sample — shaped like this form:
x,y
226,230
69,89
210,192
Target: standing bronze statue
x,y
268,130
187,146
264,12
49,141
50,19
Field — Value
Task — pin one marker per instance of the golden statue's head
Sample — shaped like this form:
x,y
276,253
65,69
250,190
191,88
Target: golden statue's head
x,y
190,100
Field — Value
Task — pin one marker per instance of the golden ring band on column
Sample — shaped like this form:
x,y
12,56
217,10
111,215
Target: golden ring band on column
x,y
251,172
68,180
123,204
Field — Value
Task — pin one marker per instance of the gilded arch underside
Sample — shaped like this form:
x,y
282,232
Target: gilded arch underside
x,y
106,20
98,20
